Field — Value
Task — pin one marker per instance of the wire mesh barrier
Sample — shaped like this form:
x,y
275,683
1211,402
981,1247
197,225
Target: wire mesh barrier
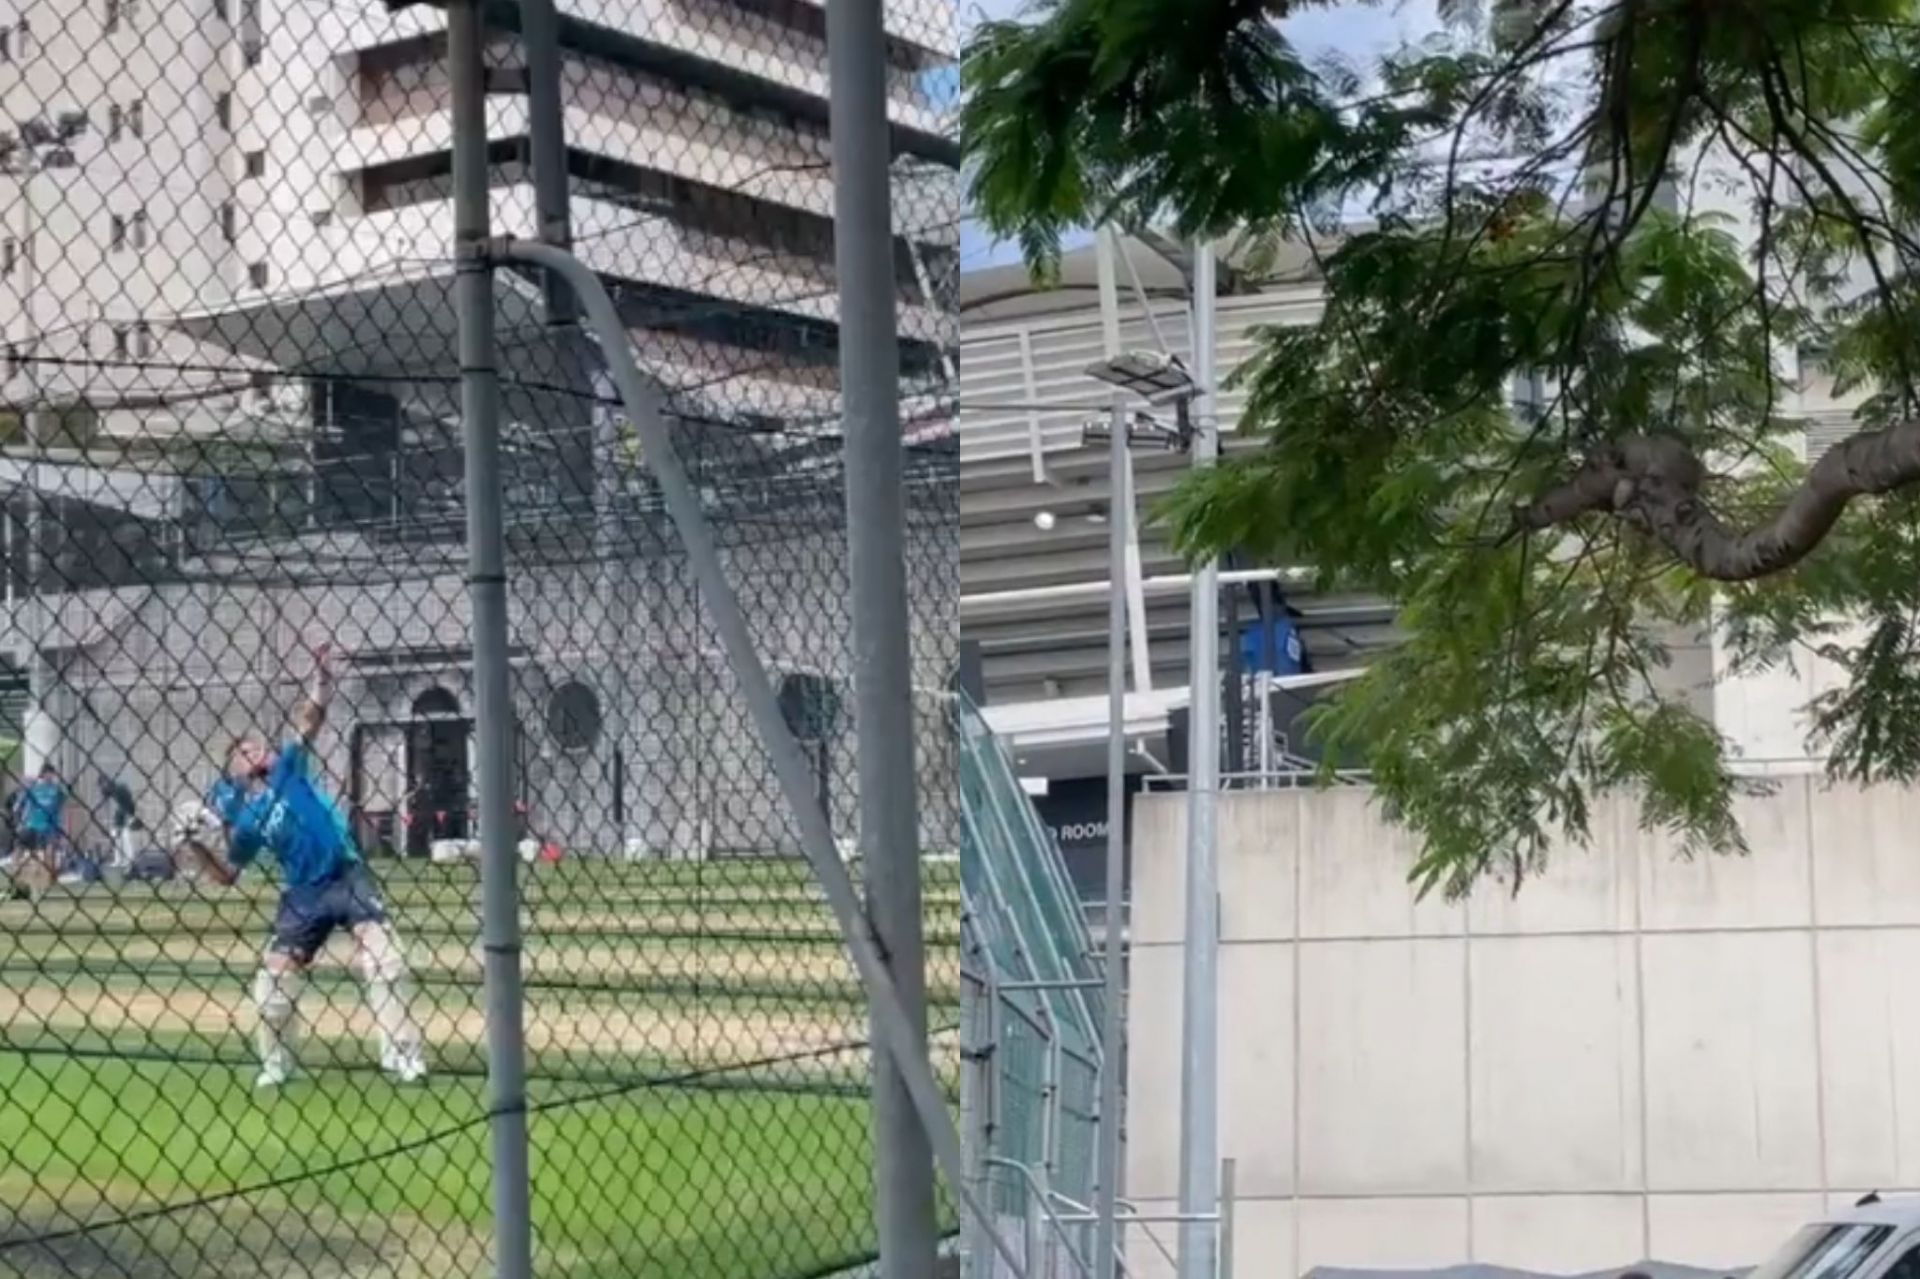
x,y
1031,1045
242,1017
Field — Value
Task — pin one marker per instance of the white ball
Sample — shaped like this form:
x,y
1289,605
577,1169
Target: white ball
x,y
1044,521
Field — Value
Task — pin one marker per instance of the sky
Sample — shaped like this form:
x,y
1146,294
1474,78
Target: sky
x,y
1359,31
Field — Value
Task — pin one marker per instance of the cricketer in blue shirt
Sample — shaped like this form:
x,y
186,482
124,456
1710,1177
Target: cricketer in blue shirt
x,y
281,809
291,818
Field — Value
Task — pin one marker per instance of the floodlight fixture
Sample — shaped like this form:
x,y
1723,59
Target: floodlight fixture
x,y
1154,376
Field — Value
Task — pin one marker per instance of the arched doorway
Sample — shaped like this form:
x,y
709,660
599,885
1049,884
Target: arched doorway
x,y
439,776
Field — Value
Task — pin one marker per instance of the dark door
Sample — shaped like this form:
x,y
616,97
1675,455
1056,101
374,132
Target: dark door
x,y
439,783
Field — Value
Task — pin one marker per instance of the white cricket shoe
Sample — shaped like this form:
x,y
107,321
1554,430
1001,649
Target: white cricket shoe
x,y
272,1076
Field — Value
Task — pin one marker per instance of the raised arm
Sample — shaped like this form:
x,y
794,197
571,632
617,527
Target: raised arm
x,y
312,712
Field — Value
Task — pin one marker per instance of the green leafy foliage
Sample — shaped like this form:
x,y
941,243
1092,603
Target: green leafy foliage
x,y
1693,216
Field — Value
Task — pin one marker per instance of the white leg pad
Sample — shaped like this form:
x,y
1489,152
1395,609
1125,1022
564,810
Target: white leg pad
x,y
276,996
384,970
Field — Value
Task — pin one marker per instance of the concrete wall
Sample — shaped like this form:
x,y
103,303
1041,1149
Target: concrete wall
x,y
1636,1056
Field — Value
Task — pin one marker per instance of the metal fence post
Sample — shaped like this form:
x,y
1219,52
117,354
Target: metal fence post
x,y
1112,1031
882,662
1223,1228
1199,1100
486,559
546,128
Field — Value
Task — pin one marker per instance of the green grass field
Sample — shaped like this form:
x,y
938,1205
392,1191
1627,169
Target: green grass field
x,y
696,1051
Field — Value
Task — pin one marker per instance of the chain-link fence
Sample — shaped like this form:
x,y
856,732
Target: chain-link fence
x,y
1032,1002
239,644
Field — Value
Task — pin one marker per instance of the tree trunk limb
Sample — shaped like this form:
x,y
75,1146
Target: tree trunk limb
x,y
1654,482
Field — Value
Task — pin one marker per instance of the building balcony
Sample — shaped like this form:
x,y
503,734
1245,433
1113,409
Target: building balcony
x,y
676,137
737,41
642,247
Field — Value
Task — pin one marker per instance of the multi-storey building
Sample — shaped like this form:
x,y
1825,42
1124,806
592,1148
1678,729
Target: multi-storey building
x,y
253,198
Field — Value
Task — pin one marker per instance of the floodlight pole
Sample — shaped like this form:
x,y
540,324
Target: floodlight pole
x,y
1106,1240
1199,1040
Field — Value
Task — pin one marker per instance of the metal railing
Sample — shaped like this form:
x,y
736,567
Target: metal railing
x,y
1031,999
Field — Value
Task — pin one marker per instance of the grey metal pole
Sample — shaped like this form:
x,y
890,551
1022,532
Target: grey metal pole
x,y
1121,602
41,738
41,734
493,708
1227,1217
1199,1100
615,606
893,1029
1236,687
1106,1240
547,132
882,662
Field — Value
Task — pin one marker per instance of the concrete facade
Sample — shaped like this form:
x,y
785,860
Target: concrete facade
x,y
1636,1056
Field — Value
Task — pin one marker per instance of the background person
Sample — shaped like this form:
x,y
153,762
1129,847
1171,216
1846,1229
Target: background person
x,y
39,815
123,819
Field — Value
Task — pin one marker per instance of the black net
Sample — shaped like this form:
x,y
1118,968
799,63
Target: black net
x,y
237,638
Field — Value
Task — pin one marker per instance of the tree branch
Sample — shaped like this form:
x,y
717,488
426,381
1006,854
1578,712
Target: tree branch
x,y
1654,482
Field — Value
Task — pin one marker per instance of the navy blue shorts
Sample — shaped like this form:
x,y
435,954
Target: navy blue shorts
x,y
309,914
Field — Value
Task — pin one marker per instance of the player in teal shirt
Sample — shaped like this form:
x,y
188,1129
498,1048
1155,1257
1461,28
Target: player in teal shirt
x,y
42,808
281,809
39,818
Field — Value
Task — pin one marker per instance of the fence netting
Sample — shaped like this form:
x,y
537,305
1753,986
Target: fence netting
x,y
242,1024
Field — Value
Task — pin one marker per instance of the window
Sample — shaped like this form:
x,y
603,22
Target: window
x,y
142,340
119,341
811,706
257,275
1908,1267
137,118
319,104
256,164
16,359
573,716
227,228
9,255
113,123
220,10
6,45
253,51
1824,1251
223,111
137,233
322,217
117,233
112,23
